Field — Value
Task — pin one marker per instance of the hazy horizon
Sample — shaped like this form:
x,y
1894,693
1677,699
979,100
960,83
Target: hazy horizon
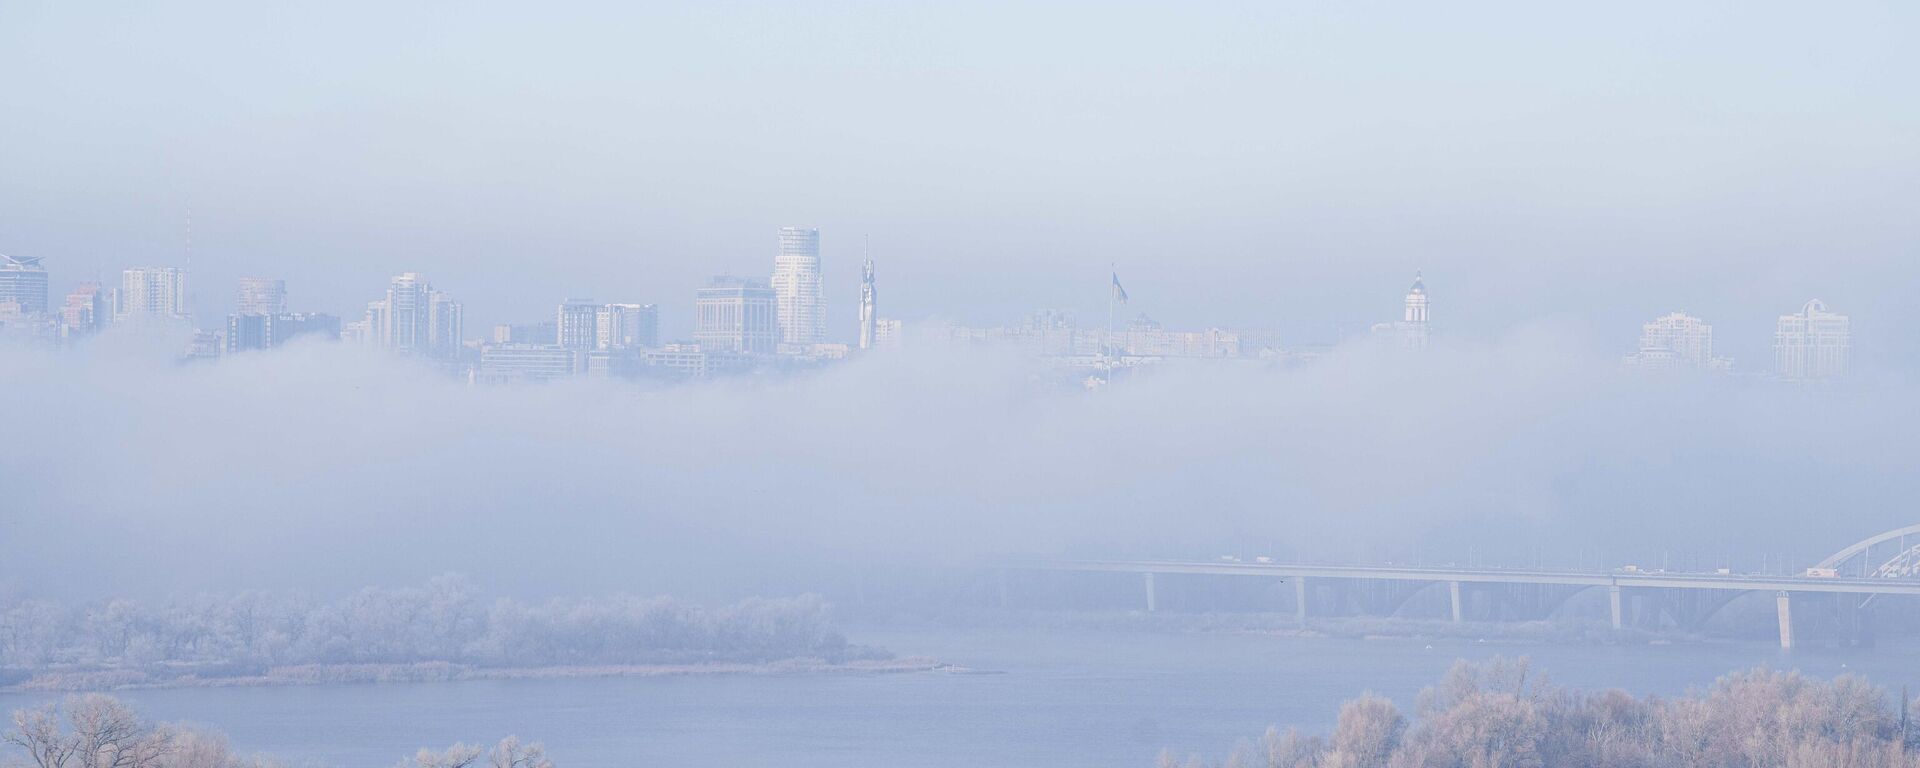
x,y
1280,168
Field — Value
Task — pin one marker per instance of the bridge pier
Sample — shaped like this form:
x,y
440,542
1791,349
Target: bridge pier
x,y
1785,606
1453,591
1613,605
1153,603
1300,599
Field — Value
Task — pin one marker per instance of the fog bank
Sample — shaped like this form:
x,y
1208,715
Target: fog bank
x,y
331,468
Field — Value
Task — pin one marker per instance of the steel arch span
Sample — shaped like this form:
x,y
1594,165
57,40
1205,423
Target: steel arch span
x,y
1901,561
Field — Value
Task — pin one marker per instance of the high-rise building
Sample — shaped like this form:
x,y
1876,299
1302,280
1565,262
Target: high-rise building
x,y
1677,340
85,311
414,319
867,307
24,282
152,293
577,324
261,296
627,326
408,314
446,324
248,331
736,315
1812,343
796,283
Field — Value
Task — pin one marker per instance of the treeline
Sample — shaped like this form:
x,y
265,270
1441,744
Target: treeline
x,y
1498,715
99,731
443,621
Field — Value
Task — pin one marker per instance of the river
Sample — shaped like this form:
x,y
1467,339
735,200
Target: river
x,y
1062,698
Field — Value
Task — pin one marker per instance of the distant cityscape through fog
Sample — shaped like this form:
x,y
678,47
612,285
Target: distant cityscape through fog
x,y
744,324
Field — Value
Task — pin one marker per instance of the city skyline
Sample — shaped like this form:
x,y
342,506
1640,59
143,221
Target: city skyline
x,y
1812,344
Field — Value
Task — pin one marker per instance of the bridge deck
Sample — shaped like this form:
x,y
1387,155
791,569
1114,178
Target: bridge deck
x,y
1577,578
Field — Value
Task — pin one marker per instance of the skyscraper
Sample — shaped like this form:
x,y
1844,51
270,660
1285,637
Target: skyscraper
x,y
261,296
446,324
1812,343
407,318
736,315
152,293
867,308
414,319
576,324
24,282
796,284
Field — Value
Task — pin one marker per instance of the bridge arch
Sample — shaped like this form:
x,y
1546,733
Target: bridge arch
x,y
1904,562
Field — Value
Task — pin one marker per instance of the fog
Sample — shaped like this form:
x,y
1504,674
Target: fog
x,y
325,467
1250,165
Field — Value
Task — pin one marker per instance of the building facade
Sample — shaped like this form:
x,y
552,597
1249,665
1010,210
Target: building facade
x,y
1676,340
24,282
1812,343
511,363
261,296
85,312
248,332
627,326
152,294
576,324
736,315
414,319
796,283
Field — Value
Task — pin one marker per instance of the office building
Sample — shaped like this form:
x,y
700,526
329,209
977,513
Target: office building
x,y
576,324
24,282
627,326
736,315
796,283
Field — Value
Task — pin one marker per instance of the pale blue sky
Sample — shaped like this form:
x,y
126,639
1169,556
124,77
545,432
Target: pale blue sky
x,y
1275,165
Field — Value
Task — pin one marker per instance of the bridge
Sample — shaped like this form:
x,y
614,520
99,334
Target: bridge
x,y
1854,577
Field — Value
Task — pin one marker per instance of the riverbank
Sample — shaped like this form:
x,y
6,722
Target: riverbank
x,y
441,672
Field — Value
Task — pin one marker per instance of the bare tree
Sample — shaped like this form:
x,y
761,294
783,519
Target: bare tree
x,y
510,753
456,756
1366,734
100,732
